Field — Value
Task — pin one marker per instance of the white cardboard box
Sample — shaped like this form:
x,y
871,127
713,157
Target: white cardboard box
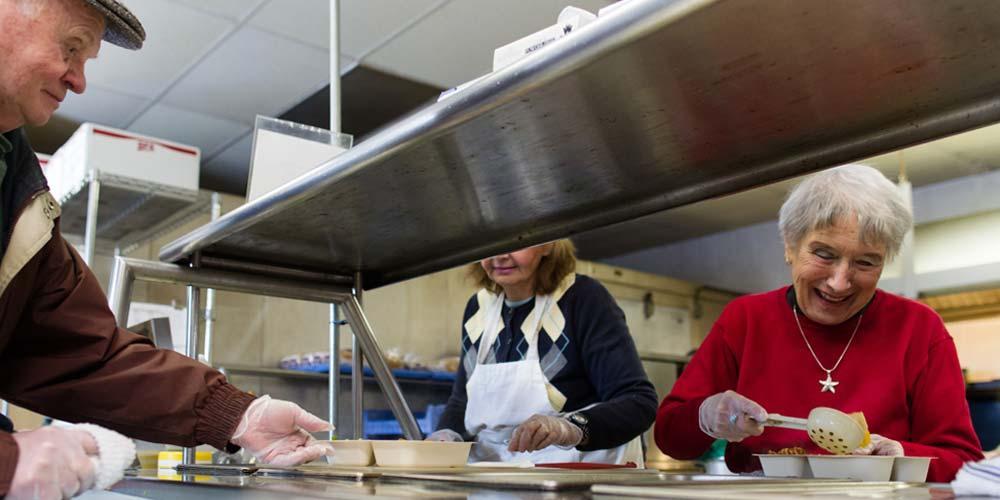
x,y
106,150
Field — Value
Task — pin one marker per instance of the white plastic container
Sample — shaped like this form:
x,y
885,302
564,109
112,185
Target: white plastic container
x,y
785,465
351,452
911,469
858,467
421,453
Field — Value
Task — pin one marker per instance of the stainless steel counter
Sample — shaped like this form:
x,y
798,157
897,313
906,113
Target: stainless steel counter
x,y
528,484
659,104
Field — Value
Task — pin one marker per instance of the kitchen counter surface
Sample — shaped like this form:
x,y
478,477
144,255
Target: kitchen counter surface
x,y
504,484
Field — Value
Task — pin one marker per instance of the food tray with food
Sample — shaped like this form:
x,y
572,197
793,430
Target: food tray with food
x,y
858,467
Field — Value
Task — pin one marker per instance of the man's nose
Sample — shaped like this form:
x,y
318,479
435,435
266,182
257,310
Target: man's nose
x,y
74,78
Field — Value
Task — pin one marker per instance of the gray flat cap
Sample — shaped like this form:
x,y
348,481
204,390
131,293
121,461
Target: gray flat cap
x,y
122,27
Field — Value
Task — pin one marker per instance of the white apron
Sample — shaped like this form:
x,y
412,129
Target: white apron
x,y
501,396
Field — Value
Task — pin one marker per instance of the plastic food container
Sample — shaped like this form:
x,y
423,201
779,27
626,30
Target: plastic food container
x,y
911,469
858,467
785,465
351,452
421,453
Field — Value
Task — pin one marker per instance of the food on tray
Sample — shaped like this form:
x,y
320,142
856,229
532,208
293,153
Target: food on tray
x,y
859,417
794,450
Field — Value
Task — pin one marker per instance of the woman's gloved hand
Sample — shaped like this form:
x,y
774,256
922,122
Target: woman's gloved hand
x,y
277,432
730,416
444,435
881,445
542,431
53,462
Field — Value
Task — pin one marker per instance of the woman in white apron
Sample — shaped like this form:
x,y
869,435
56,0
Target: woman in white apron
x,y
583,398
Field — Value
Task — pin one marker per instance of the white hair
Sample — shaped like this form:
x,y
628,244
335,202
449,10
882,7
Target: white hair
x,y
857,191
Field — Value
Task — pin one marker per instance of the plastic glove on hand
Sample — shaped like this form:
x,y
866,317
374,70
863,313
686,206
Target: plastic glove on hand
x,y
53,462
542,431
277,432
881,445
444,435
731,416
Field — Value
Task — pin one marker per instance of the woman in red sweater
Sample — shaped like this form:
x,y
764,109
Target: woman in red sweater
x,y
831,339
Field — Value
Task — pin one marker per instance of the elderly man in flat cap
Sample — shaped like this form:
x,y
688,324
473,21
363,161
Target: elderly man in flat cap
x,y
60,351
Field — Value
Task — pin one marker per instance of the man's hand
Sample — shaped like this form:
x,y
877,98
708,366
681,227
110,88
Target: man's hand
x,y
53,463
277,432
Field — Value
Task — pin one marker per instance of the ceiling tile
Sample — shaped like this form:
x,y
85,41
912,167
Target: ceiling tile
x,y
100,105
365,24
251,73
227,171
453,45
235,10
187,127
176,36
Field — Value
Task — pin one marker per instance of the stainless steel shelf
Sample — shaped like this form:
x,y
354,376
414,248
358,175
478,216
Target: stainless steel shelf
x,y
130,207
656,105
256,371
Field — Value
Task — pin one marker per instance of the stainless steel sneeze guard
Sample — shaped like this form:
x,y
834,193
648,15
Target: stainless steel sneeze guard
x,y
657,104
126,271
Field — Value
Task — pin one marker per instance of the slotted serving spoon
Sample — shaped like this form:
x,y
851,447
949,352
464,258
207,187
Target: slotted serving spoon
x,y
832,430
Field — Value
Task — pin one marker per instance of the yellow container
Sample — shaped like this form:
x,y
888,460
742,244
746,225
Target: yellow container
x,y
170,459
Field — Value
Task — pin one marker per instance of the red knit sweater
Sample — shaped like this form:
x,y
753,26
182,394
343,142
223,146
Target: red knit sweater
x,y
902,371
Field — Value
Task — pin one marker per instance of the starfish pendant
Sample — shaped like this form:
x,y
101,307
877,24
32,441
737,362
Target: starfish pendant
x,y
829,384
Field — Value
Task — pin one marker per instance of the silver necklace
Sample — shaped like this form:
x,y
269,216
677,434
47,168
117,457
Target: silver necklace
x,y
829,384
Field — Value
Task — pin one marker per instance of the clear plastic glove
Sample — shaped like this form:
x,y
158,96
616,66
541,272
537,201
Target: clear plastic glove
x,y
277,432
53,463
444,435
881,445
730,416
542,431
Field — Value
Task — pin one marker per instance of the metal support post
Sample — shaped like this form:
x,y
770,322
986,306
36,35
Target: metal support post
x,y
364,334
210,293
334,378
357,367
90,231
191,347
334,375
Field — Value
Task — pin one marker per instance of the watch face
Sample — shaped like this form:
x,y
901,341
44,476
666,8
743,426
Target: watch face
x,y
578,418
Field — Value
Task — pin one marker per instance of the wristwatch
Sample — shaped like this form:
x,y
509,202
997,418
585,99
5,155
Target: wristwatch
x,y
580,420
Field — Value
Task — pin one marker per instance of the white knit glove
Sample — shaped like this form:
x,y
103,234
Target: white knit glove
x,y
881,445
444,435
542,431
731,416
277,432
115,453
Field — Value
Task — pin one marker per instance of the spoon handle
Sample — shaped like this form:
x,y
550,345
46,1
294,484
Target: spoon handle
x,y
776,420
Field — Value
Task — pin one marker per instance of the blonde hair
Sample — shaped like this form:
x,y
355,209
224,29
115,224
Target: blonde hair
x,y
552,269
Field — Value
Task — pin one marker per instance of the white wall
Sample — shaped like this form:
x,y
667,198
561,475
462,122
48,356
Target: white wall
x,y
748,259
957,245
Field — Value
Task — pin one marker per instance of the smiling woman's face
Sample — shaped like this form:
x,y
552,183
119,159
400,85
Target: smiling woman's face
x,y
834,272
515,271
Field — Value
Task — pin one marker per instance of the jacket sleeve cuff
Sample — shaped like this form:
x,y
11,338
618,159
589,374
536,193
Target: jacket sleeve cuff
x,y
219,416
8,461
